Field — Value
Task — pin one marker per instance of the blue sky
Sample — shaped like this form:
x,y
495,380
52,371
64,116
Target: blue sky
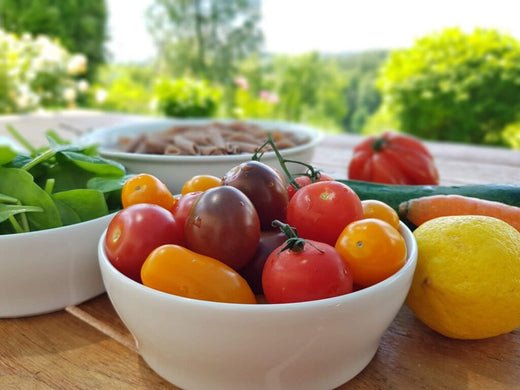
x,y
296,26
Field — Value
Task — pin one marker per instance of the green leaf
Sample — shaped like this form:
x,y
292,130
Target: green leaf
x,y
107,184
67,213
87,204
95,164
9,199
6,154
7,210
19,184
66,175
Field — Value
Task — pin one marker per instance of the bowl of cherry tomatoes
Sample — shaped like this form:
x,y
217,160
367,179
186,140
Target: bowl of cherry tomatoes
x,y
252,282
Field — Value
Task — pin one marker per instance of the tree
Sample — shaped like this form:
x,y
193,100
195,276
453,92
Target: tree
x,y
310,88
79,25
205,38
455,86
362,96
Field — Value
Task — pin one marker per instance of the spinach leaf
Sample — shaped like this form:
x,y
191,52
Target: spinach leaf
x,y
67,213
19,184
88,204
7,210
107,184
66,175
95,164
6,154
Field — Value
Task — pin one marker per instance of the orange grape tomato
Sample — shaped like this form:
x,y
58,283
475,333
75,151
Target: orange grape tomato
x,y
373,250
200,183
145,188
376,209
176,270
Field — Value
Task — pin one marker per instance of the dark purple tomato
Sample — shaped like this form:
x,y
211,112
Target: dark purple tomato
x,y
252,272
264,186
223,224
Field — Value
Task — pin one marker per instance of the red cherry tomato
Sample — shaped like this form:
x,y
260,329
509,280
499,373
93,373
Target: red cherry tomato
x,y
134,232
320,211
304,181
314,272
394,159
183,206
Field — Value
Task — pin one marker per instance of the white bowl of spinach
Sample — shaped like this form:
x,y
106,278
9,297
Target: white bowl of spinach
x,y
54,204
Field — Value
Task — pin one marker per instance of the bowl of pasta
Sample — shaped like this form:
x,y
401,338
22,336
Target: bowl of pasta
x,y
175,150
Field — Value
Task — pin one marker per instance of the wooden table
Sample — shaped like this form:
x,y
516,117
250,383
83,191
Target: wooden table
x,y
88,347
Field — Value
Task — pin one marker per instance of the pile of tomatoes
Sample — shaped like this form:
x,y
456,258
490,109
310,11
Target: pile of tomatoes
x,y
250,233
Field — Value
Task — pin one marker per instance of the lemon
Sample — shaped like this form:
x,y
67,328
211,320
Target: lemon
x,y
467,281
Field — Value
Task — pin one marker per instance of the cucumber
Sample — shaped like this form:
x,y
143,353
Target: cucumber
x,y
393,195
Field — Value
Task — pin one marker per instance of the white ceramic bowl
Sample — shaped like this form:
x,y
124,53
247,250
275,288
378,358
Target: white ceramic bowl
x,y
207,345
175,170
48,270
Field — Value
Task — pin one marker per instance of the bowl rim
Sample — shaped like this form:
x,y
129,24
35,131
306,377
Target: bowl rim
x,y
316,135
411,261
58,229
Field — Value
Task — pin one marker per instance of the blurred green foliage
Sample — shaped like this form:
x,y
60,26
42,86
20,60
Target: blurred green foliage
x,y
310,88
125,88
362,97
455,86
79,25
187,98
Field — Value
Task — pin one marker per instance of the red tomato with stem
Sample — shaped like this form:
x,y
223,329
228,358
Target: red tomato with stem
x,y
252,272
393,158
135,232
320,211
304,270
305,180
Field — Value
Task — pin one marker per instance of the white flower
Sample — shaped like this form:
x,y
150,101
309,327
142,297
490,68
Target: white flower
x,y
101,95
69,94
83,85
49,51
77,65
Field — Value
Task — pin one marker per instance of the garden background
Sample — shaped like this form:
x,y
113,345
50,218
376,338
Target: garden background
x,y
210,60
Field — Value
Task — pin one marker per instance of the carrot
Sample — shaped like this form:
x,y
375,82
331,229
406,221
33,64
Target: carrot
x,y
420,210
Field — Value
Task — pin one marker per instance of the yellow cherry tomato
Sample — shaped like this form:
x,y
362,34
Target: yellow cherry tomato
x,y
200,183
372,249
176,270
376,209
145,188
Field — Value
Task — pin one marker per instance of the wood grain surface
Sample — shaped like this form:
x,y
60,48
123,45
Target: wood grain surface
x,y
88,347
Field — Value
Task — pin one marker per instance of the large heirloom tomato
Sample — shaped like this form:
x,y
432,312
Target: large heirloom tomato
x,y
393,158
